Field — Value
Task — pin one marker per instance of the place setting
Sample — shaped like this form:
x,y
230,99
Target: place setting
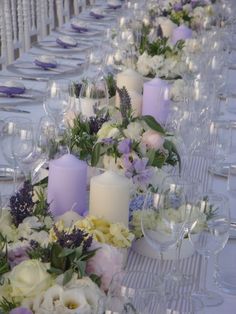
x,y
63,44
43,66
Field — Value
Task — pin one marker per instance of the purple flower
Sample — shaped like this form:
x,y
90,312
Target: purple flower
x,y
107,140
138,170
177,7
124,146
20,310
17,256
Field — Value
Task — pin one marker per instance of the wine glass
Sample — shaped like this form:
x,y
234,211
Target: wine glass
x,y
177,194
156,229
20,128
94,97
208,235
57,102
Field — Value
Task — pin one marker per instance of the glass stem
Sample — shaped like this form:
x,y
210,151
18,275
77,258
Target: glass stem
x,y
204,281
161,265
177,257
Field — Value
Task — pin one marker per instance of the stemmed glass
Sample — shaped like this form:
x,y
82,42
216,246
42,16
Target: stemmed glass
x,y
176,198
157,230
208,235
17,142
57,102
93,97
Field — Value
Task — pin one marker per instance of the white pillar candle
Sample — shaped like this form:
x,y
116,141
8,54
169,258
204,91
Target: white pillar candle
x,y
136,102
109,197
131,80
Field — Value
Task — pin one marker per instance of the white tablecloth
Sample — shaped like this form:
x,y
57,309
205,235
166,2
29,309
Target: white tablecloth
x,y
135,261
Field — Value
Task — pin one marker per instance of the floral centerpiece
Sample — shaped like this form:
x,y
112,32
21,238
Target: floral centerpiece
x,y
56,267
133,146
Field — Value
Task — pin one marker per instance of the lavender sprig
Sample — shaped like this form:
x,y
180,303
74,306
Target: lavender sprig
x,y
21,204
125,104
74,239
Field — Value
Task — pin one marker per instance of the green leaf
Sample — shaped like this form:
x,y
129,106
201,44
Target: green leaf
x,y
67,276
66,252
55,271
56,261
151,156
170,146
96,279
43,182
159,160
88,255
95,154
153,124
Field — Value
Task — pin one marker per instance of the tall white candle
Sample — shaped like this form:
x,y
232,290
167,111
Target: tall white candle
x,y
131,80
109,197
136,102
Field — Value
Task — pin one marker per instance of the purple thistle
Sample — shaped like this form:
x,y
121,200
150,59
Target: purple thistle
x,y
21,204
124,146
75,238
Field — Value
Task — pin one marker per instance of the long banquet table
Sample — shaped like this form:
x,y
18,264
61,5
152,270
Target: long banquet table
x,y
199,168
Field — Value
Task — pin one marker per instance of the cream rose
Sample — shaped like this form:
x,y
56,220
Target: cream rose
x,y
29,278
153,139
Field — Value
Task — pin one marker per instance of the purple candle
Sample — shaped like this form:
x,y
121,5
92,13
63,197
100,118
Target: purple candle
x,y
67,185
156,100
181,33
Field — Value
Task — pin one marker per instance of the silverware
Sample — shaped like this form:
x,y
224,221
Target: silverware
x,y
10,109
28,78
60,57
30,67
20,96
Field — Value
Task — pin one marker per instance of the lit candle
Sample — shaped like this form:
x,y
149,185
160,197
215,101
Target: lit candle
x,y
67,185
109,197
156,100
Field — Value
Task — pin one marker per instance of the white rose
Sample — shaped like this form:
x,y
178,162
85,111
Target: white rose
x,y
134,130
105,130
157,63
6,227
153,139
29,278
143,64
167,26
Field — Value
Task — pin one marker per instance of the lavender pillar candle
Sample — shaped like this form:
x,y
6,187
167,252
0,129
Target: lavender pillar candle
x,y
67,185
156,100
181,33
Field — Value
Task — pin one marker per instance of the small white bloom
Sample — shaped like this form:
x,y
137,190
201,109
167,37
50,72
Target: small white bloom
x,y
143,64
134,130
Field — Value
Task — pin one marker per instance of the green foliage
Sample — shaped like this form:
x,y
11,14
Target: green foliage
x,y
111,84
4,266
7,305
173,156
68,261
153,124
180,17
82,141
41,208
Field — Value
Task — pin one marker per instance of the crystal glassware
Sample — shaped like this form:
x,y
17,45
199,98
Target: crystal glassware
x,y
208,235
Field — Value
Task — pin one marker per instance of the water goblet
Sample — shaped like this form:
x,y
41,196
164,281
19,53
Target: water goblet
x,y
208,235
157,230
